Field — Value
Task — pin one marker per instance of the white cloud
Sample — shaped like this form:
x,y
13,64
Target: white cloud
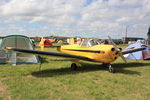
x,y
122,19
73,16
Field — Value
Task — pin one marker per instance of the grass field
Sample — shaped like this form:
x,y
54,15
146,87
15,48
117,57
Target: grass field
x,y
89,82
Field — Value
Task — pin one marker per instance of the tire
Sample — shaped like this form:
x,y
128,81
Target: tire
x,y
73,66
111,69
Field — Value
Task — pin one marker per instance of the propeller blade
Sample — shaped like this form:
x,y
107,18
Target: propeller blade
x,y
111,41
123,58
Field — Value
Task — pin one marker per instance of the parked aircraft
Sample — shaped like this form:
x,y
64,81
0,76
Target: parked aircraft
x,y
89,50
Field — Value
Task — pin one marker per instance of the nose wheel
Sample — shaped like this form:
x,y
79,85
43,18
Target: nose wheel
x,y
111,69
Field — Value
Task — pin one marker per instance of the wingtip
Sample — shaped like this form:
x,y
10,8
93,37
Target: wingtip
x,y
8,48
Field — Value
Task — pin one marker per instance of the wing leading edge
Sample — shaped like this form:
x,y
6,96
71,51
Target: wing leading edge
x,y
133,50
36,52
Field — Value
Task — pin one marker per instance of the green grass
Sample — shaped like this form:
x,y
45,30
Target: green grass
x,y
89,82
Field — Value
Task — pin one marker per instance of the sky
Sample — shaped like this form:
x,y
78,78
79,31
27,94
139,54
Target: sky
x,y
84,18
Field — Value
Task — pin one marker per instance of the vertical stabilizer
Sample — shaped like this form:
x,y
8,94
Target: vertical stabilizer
x,y
42,43
71,41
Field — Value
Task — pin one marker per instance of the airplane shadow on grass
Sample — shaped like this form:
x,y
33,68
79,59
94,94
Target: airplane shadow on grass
x,y
120,67
88,67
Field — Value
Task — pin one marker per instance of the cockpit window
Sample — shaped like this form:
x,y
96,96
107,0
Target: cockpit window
x,y
84,43
89,43
93,42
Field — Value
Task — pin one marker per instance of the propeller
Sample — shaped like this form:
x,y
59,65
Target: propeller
x,y
117,49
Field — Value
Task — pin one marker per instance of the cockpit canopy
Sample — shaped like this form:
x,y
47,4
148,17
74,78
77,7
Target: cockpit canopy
x,y
89,42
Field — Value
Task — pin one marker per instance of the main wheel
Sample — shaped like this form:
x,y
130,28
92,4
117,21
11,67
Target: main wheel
x,y
111,69
73,66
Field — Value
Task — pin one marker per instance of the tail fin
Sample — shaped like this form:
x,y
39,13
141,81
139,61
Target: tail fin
x,y
71,41
42,43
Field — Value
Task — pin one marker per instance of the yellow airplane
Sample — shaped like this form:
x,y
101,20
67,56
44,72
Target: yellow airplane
x,y
89,50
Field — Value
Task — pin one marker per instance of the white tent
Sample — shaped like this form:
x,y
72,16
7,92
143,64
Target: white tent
x,y
140,55
17,41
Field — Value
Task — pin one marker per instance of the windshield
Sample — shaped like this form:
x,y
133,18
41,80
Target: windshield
x,y
89,43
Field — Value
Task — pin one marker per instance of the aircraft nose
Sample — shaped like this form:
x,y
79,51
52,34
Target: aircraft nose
x,y
114,53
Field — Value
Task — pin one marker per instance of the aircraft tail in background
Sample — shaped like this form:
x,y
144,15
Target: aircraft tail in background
x,y
71,41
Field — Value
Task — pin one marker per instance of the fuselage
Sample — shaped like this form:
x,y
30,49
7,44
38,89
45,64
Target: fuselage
x,y
100,53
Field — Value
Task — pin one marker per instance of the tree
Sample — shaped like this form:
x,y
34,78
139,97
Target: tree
x,y
148,34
